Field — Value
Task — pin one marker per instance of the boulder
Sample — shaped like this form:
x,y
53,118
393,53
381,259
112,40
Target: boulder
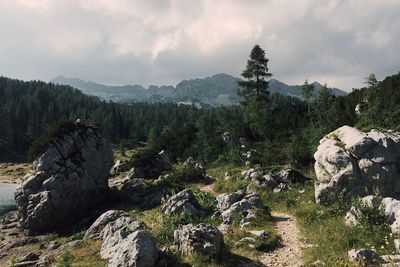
x,y
125,240
68,181
97,227
289,176
183,202
366,257
350,162
224,201
238,205
137,249
200,239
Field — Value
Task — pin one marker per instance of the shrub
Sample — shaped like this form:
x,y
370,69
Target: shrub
x,y
184,173
369,216
76,236
206,200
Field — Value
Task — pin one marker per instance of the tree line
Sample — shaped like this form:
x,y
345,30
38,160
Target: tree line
x,y
280,128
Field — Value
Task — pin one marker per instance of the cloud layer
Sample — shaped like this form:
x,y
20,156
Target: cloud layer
x,y
164,41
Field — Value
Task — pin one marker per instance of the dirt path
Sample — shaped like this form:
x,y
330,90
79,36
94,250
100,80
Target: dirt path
x,y
289,253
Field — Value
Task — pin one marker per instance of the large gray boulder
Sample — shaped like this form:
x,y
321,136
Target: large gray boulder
x,y
125,243
107,217
125,240
350,162
183,202
200,239
68,181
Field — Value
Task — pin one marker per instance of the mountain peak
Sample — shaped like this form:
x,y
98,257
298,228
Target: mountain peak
x,y
215,90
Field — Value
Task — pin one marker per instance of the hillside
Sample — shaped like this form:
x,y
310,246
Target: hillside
x,y
217,90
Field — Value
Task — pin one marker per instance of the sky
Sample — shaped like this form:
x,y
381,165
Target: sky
x,y
162,42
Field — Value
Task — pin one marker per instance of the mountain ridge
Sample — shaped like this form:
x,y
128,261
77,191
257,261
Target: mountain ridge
x,y
219,89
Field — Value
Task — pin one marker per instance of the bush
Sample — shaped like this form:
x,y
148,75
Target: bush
x,y
206,200
369,216
144,156
76,236
187,173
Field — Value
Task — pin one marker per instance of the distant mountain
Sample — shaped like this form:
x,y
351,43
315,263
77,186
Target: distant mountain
x,y
220,89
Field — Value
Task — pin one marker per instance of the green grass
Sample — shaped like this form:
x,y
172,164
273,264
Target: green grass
x,y
324,228
85,255
236,182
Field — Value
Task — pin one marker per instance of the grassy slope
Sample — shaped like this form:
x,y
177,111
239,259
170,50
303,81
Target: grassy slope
x,y
323,228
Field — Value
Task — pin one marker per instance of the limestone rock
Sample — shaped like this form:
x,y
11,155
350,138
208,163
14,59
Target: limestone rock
x,y
120,166
201,239
183,202
289,176
365,257
136,249
350,162
125,242
138,191
95,230
224,201
239,204
69,179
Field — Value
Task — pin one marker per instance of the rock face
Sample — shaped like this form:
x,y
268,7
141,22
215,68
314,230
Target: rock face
x,y
69,179
200,239
125,242
350,162
183,202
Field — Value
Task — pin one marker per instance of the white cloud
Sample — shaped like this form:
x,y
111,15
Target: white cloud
x,y
165,41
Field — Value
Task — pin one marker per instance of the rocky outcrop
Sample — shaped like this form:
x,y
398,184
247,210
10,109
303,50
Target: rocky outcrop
x,y
69,179
183,202
238,205
120,166
365,257
350,162
200,239
276,182
139,191
125,241
149,164
97,227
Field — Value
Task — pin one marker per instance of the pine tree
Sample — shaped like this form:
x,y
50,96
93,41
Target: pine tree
x,y
256,76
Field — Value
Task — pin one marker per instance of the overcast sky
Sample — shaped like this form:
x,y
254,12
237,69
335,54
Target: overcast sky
x,y
165,41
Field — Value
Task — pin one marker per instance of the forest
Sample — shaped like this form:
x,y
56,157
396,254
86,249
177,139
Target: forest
x,y
285,130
